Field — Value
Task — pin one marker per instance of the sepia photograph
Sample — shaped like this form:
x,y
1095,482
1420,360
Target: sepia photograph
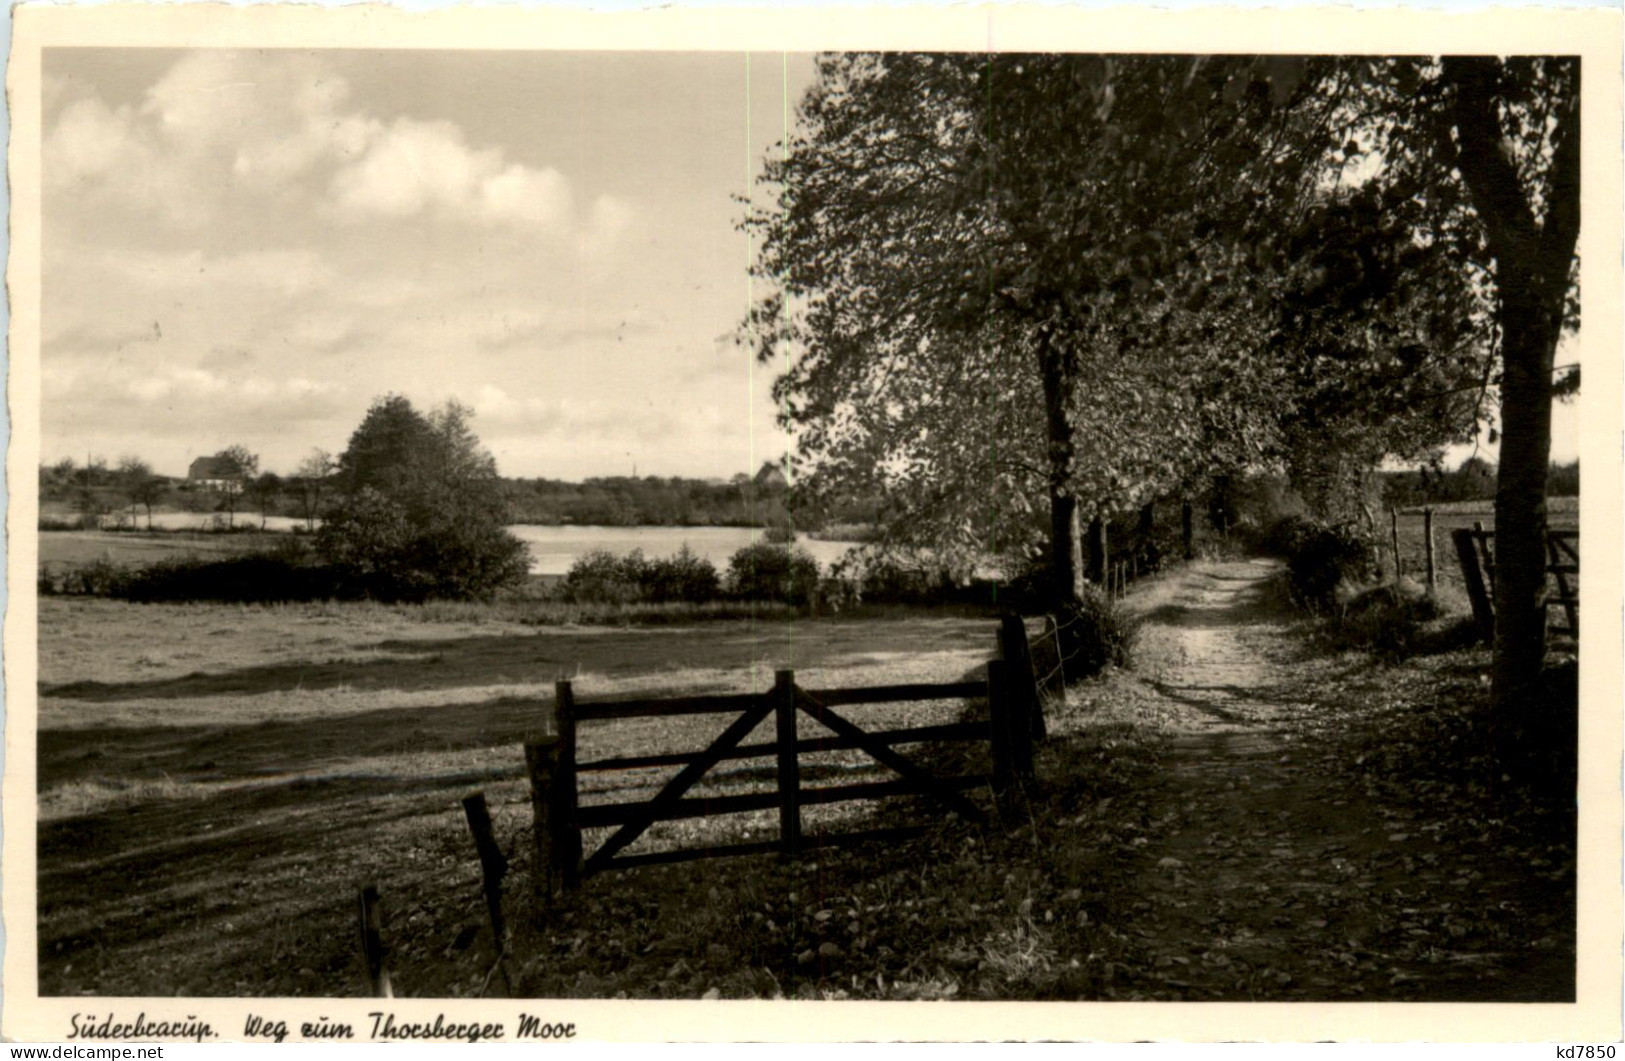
x,y
539,526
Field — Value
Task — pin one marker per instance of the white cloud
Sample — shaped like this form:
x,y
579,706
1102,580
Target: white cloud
x,y
414,167
90,140
607,222
541,197
224,133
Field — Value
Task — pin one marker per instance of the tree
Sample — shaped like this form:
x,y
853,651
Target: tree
x,y
238,466
1516,143
310,480
1494,146
959,239
420,512
266,488
140,486
1390,346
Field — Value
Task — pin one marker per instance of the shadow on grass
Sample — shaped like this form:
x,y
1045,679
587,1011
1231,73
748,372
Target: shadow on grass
x,y
546,657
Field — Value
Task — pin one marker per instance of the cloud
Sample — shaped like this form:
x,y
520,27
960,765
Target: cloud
x,y
415,167
607,222
225,133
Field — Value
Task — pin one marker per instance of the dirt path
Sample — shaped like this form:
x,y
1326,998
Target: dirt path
x,y
1262,869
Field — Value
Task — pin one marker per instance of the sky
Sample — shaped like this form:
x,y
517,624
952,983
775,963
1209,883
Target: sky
x,y
251,247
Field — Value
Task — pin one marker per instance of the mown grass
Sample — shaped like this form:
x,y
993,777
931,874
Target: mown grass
x,y
216,780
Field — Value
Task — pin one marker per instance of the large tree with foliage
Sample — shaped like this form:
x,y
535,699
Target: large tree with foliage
x,y
420,511
1516,144
1493,147
960,239
1001,284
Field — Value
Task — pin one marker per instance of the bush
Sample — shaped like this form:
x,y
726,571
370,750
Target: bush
x,y
378,550
779,533
1387,620
889,580
1096,632
258,578
681,577
768,572
100,578
1321,557
601,577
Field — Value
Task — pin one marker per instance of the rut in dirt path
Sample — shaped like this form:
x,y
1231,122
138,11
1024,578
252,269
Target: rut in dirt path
x,y
1261,872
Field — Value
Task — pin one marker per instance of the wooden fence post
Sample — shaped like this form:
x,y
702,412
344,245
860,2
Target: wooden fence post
x,y
1018,658
1473,575
1393,531
566,840
1427,537
784,716
372,944
540,759
998,715
493,864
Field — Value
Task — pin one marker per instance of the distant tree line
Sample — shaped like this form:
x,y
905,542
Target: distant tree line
x,y
1473,480
625,501
130,491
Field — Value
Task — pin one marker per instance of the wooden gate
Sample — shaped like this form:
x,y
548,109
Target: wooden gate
x,y
561,819
1475,550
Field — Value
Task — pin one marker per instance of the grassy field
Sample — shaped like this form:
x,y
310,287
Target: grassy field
x,y
1562,513
59,549
215,781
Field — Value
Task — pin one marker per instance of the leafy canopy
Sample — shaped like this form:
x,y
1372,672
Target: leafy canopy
x,y
420,511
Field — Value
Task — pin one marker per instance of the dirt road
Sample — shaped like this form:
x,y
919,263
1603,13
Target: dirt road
x,y
1268,865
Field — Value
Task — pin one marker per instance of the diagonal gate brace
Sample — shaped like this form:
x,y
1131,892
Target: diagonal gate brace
x,y
681,783
884,754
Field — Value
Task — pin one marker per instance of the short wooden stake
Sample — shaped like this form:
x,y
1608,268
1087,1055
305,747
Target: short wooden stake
x,y
493,864
1393,529
1473,576
1427,538
372,944
784,718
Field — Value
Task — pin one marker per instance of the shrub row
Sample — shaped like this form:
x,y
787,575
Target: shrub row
x,y
760,572
293,571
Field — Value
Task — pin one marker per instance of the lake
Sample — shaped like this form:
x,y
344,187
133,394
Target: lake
x,y
554,549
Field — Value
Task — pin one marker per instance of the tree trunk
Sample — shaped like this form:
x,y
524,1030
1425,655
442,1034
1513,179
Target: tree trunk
x,y
1187,528
1099,550
1066,554
1532,266
1528,348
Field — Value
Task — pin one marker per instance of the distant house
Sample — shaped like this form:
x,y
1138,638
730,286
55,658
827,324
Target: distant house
x,y
771,477
215,473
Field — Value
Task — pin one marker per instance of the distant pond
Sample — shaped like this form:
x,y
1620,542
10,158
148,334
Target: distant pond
x,y
554,549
